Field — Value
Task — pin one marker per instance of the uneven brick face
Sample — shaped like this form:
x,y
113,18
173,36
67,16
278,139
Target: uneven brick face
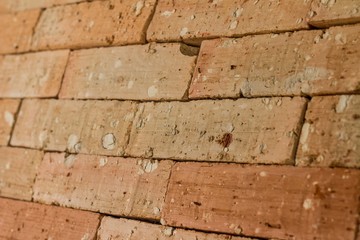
x,y
189,20
331,133
150,72
99,127
32,75
98,23
18,168
22,220
264,201
8,110
329,13
16,31
119,229
126,187
305,62
251,130
20,5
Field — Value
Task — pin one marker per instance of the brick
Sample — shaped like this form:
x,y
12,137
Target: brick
x,y
130,72
305,62
8,108
99,127
118,186
16,31
23,220
21,5
246,130
98,23
33,74
264,201
189,20
119,229
331,133
18,168
329,13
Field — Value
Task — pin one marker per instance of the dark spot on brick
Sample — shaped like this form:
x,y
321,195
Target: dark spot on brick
x,y
110,40
197,203
232,67
356,116
226,140
272,225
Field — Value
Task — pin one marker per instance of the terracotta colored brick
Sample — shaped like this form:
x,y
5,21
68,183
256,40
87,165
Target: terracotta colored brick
x,y
8,110
23,220
328,13
154,71
119,229
20,5
331,133
305,62
18,168
264,201
119,186
189,20
98,23
246,130
75,126
32,75
16,31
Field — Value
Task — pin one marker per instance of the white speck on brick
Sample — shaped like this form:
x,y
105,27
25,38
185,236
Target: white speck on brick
x,y
168,231
305,133
150,166
86,237
340,39
69,161
7,165
103,161
168,13
118,63
156,211
138,8
233,25
108,141
9,118
263,174
130,84
342,104
73,142
152,91
307,204
184,31
238,12
42,136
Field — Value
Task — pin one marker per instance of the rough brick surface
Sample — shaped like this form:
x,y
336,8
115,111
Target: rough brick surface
x,y
16,31
251,130
154,71
189,20
331,133
118,186
18,168
22,220
264,201
20,5
329,13
76,126
8,109
33,74
305,62
98,23
119,229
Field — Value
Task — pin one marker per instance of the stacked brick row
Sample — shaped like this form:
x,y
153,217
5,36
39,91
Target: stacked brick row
x,y
205,120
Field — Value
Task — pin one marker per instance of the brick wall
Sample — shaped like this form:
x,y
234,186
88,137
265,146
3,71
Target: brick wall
x,y
179,119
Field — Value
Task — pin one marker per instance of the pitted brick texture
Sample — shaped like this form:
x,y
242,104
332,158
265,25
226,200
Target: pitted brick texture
x,y
74,126
33,74
331,133
18,169
117,186
149,72
264,201
249,131
192,21
91,24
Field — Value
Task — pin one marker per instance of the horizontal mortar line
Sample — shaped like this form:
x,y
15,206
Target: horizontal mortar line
x,y
183,100
176,160
173,41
